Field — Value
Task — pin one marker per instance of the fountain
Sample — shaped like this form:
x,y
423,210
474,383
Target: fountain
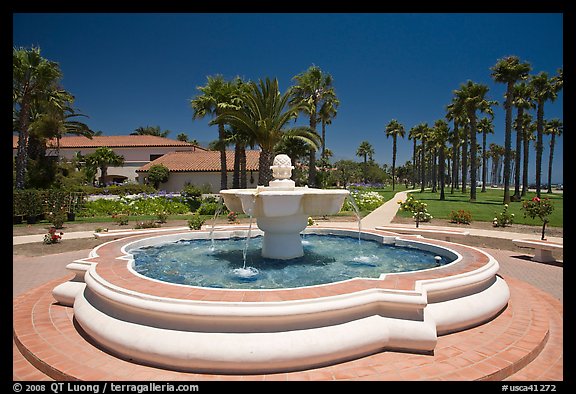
x,y
265,330
281,210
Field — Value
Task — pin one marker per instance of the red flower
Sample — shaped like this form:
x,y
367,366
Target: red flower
x,y
536,199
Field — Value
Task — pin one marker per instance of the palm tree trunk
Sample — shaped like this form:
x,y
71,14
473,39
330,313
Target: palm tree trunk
x,y
434,171
323,154
236,173
519,133
484,163
464,160
552,143
423,165
414,165
394,163
441,173
473,154
243,174
312,156
22,150
508,141
525,164
264,162
223,169
539,148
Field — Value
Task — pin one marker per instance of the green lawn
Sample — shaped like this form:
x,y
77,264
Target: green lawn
x,y
486,206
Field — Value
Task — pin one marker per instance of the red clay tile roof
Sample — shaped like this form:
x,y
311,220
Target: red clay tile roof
x,y
113,141
202,161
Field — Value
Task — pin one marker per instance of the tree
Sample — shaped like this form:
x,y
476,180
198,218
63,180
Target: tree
x,y
34,81
366,151
151,130
215,97
413,135
103,158
439,136
182,137
422,133
544,89
325,115
264,116
486,127
313,88
509,70
158,173
522,93
528,130
394,129
473,98
554,127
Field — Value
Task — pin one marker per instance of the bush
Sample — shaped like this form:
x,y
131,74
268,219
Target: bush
x,y
32,202
461,217
504,218
192,196
210,208
196,222
418,208
146,224
120,219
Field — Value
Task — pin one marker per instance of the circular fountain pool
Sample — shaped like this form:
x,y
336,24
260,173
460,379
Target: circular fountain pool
x,y
327,259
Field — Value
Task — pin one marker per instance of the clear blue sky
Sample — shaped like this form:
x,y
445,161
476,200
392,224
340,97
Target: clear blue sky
x,y
131,70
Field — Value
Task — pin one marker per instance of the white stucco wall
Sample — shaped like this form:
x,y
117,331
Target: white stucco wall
x,y
177,180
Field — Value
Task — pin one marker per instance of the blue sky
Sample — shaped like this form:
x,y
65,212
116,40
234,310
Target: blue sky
x,y
131,70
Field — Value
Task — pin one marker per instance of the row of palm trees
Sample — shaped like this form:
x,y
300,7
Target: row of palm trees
x,y
249,113
470,102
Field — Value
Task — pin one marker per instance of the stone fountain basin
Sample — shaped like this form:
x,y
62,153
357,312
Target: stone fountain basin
x,y
278,203
264,331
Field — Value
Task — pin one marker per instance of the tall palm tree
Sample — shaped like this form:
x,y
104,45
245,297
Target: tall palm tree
x,y
263,117
34,81
440,136
413,135
509,70
215,97
486,127
554,127
456,112
528,130
473,98
313,88
422,133
544,89
394,129
522,93
327,112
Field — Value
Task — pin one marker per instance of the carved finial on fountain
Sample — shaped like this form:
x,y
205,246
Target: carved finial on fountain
x,y
282,171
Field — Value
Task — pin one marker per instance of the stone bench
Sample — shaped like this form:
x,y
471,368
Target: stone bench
x,y
542,249
447,234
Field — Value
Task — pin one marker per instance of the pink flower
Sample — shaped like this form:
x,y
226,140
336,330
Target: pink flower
x,y
536,199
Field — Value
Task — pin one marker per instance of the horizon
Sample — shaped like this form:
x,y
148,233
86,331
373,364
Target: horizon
x,y
135,70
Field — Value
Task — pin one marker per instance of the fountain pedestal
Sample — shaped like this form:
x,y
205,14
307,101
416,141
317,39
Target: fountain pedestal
x,y
281,209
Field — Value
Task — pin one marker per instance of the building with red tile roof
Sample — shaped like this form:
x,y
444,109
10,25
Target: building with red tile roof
x,y
200,168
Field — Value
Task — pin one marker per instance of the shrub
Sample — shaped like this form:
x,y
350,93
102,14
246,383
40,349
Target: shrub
x,y
460,216
192,196
210,208
418,208
31,202
52,237
504,218
196,222
162,216
120,219
57,218
537,207
146,224
232,217
158,174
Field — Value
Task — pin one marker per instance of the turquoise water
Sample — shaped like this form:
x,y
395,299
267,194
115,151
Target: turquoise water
x,y
327,258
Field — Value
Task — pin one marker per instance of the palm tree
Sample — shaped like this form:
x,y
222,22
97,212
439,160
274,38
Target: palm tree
x,y
457,113
182,137
366,151
103,158
473,98
34,81
522,93
528,128
394,129
313,88
326,113
216,96
509,70
544,89
440,135
413,135
554,127
263,117
422,133
486,127
150,130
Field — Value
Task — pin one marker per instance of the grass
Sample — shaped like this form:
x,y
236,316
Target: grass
x,y
487,205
